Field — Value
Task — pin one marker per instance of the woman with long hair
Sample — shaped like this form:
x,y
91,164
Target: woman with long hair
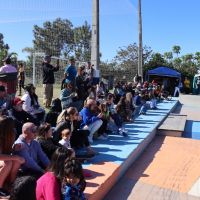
x,y
49,185
44,137
70,119
9,164
31,104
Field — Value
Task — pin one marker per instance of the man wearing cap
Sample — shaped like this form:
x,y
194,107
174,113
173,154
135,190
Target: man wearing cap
x,y
48,80
19,115
9,77
71,72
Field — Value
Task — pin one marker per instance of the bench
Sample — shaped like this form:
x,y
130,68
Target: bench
x,y
174,125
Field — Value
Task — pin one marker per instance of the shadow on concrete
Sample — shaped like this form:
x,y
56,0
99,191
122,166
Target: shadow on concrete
x,y
178,108
124,187
93,174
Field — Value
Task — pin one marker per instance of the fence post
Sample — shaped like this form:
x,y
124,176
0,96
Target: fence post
x,y
34,68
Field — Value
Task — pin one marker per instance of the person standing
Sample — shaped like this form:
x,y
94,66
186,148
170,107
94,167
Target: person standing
x,y
48,80
71,72
9,77
198,85
89,73
187,85
21,78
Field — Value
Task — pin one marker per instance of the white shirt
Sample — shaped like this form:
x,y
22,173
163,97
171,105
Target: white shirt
x,y
27,103
65,143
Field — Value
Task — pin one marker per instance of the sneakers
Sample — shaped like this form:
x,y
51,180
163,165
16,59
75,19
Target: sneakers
x,y
4,194
101,137
123,132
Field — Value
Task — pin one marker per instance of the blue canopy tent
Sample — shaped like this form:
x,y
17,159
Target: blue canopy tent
x,y
164,72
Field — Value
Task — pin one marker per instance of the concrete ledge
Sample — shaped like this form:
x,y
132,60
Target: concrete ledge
x,y
174,125
118,153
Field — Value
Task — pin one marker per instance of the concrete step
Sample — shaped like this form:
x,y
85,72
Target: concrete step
x,y
118,153
174,125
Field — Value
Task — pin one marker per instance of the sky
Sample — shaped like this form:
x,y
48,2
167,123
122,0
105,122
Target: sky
x,y
165,22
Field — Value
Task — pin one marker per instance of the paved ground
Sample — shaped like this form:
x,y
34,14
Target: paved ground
x,y
169,167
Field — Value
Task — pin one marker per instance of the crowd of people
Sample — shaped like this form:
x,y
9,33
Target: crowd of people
x,y
40,150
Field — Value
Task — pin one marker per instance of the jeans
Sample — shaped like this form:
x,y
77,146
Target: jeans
x,y
177,89
117,119
94,127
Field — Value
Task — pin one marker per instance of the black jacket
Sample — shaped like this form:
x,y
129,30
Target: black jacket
x,y
81,91
48,73
21,117
48,146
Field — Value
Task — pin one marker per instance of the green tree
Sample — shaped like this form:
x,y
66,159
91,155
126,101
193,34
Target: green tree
x,y
53,37
176,49
188,58
197,58
177,63
82,40
156,60
3,49
127,57
168,56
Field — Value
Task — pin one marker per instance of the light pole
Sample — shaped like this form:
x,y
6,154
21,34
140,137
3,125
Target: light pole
x,y
140,47
95,60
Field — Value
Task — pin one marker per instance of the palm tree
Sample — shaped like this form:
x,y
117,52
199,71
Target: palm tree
x,y
140,48
168,56
176,49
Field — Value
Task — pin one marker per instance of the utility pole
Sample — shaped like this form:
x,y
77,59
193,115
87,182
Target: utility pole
x,y
95,60
140,47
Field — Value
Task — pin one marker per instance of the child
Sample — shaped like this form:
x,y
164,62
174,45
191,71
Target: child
x,y
123,109
114,115
66,135
74,179
153,101
105,118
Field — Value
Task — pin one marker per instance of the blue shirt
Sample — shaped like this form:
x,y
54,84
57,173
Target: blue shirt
x,y
87,117
2,102
71,72
73,193
33,154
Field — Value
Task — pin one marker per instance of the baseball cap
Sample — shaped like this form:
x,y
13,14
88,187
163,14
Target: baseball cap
x,y
17,101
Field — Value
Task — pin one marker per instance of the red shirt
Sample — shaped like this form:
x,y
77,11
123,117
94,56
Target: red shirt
x,y
48,187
